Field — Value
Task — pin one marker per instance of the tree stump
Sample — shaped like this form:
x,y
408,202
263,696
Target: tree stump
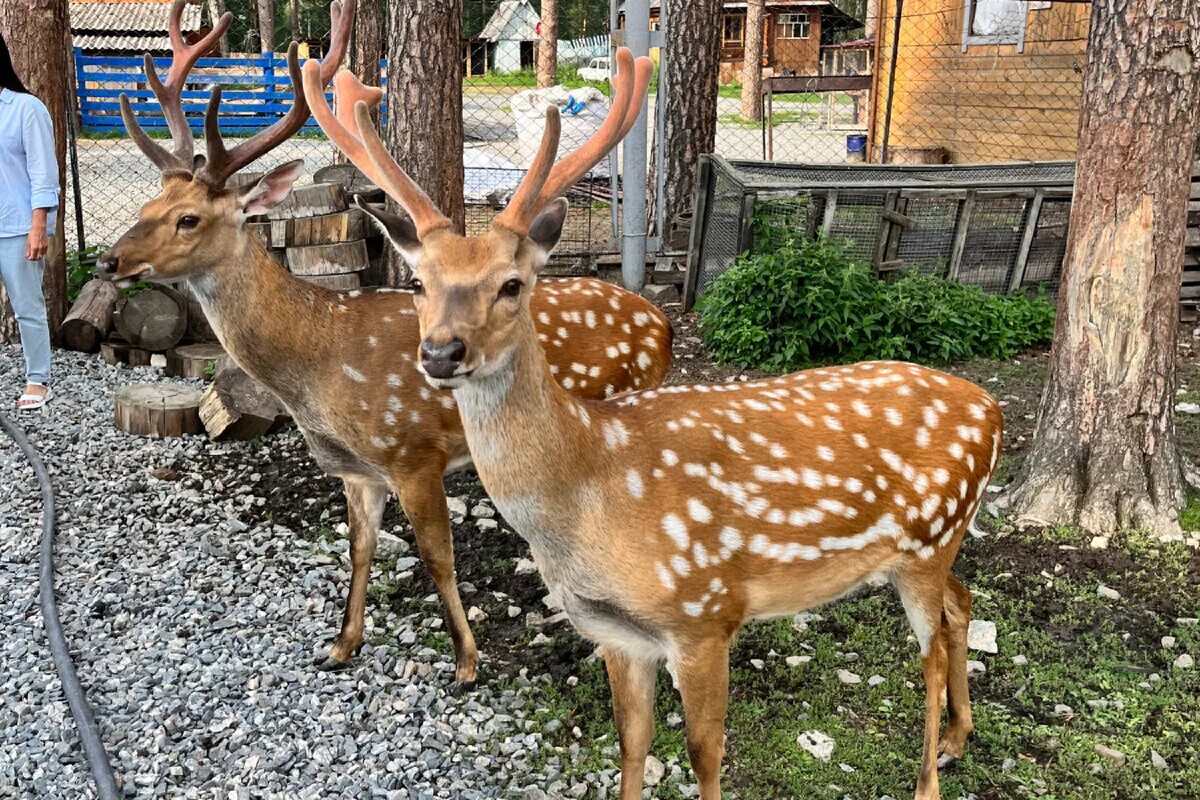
x,y
310,201
339,283
328,259
344,226
154,318
351,179
262,230
238,407
158,410
201,360
90,318
114,352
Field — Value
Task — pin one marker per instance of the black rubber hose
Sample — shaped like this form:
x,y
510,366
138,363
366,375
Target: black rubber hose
x,y
85,721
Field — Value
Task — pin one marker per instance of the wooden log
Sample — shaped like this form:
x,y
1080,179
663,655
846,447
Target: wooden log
x,y
328,259
262,230
116,352
351,180
154,318
311,201
236,406
159,410
242,180
198,328
90,318
202,360
341,283
344,226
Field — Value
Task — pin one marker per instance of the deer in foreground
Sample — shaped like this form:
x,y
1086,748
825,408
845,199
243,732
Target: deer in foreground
x,y
343,362
667,519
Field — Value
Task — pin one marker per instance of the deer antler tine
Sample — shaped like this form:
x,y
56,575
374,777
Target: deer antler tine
x,y
150,148
348,89
403,189
643,69
519,214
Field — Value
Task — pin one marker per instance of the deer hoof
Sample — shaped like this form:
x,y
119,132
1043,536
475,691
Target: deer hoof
x,y
331,664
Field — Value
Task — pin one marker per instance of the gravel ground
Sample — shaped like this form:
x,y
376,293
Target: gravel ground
x,y
194,616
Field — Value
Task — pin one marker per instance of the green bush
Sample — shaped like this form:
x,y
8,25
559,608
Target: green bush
x,y
800,302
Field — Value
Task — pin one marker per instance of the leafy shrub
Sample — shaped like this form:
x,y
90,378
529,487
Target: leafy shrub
x,y
800,302
81,268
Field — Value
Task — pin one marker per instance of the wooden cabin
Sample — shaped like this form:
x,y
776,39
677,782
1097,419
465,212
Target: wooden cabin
x,y
979,80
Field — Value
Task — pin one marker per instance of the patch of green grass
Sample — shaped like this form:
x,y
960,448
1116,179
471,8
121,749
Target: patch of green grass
x,y
1189,515
1077,647
778,118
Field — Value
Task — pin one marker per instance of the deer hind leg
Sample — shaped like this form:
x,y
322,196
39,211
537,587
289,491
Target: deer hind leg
x,y
364,509
922,595
704,685
632,684
424,501
956,619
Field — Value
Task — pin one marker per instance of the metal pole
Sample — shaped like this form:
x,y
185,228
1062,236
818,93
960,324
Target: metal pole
x,y
887,114
633,197
74,155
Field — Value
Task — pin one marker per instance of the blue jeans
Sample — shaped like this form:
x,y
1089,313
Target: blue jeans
x,y
23,280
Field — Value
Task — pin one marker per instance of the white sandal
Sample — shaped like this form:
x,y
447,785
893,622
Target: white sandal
x,y
30,402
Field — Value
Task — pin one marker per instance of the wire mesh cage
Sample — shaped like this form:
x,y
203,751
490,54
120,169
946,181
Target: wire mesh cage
x,y
1001,227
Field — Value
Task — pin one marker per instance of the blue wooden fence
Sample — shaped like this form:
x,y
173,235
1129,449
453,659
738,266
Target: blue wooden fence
x,y
255,91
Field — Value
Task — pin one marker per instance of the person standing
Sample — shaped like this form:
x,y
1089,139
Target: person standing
x,y
28,208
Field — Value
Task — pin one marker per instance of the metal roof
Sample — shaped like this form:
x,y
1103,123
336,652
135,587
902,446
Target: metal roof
x,y
124,26
514,20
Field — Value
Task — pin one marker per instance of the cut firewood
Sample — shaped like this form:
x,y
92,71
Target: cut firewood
x,y
236,406
159,410
351,179
90,318
115,352
202,360
328,259
339,283
198,328
153,318
262,230
344,226
311,201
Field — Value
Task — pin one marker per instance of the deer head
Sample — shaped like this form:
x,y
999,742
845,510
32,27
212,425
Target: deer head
x,y
192,224
472,292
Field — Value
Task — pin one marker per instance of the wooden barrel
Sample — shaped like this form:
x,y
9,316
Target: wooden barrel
x,y
328,259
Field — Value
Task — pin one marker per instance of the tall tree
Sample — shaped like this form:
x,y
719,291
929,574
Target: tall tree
x,y
368,44
216,10
424,95
294,19
692,49
1104,455
37,37
547,58
266,25
752,58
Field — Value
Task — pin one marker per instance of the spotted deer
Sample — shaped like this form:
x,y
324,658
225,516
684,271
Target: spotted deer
x,y
343,362
666,519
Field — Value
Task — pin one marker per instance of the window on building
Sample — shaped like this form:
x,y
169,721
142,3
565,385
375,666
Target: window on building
x,y
997,21
731,29
793,26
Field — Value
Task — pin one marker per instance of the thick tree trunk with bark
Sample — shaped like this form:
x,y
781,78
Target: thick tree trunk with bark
x,y
368,44
36,34
1104,455
216,10
752,106
425,121
547,57
266,25
692,50
294,19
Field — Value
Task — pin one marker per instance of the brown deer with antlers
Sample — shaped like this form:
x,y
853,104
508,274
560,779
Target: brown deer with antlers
x,y
342,363
666,519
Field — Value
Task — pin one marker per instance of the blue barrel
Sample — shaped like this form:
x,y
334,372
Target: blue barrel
x,y
856,147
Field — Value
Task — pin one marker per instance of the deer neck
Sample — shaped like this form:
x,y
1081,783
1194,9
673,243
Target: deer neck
x,y
260,312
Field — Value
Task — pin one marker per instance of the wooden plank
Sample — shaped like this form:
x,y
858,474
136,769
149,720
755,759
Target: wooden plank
x,y
815,83
745,237
831,201
696,236
1031,222
341,226
961,226
885,226
898,219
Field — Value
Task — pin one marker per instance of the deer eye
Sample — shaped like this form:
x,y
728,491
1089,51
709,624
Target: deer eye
x,y
511,288
187,222
418,288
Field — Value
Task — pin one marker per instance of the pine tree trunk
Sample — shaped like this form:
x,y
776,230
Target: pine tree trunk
x,y
547,58
692,50
216,10
1104,455
266,25
37,38
368,44
425,118
294,19
752,107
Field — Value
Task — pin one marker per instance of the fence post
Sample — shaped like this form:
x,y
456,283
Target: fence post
x,y
633,196
269,77
1031,223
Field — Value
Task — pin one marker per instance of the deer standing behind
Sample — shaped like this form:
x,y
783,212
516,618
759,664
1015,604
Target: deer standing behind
x,y
343,362
667,519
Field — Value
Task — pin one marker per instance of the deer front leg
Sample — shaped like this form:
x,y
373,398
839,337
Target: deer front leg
x,y
424,501
703,671
364,510
632,684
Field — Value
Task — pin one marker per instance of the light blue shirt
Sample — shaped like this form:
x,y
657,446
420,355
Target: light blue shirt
x,y
28,166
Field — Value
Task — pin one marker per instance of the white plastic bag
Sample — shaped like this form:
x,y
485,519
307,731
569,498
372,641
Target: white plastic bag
x,y
582,110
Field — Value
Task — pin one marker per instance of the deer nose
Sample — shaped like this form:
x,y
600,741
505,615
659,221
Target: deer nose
x,y
441,360
106,266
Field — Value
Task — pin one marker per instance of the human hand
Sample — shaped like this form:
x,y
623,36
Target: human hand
x,y
35,243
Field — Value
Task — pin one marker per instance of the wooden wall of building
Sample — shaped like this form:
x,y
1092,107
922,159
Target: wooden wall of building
x,y
803,56
990,103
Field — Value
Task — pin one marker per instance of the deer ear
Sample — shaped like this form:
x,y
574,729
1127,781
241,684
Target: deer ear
x,y
398,228
547,229
270,190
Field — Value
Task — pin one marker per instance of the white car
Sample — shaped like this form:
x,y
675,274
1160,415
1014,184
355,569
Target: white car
x,y
598,70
